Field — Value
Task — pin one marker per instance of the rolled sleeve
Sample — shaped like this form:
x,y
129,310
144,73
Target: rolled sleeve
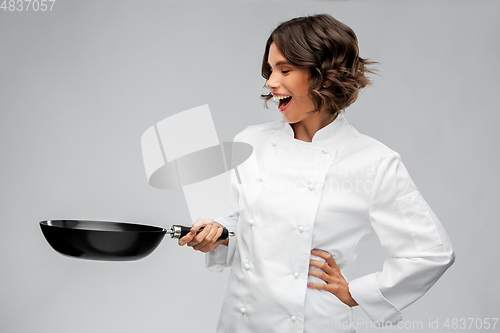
x,y
222,256
366,293
419,248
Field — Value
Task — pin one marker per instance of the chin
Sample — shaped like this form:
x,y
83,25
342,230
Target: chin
x,y
288,120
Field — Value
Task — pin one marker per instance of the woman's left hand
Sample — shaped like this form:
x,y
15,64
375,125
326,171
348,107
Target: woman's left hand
x,y
331,274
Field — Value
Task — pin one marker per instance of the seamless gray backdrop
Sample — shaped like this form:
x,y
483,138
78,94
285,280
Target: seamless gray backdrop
x,y
79,85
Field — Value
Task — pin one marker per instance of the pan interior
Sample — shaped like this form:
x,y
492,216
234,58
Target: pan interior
x,y
101,226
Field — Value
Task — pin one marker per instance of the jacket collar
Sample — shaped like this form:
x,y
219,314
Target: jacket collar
x,y
325,133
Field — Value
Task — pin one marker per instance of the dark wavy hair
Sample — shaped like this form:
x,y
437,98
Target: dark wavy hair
x,y
329,48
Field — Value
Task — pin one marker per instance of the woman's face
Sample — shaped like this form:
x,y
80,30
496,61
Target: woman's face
x,y
290,87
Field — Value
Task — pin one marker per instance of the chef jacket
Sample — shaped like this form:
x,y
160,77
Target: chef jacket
x,y
333,194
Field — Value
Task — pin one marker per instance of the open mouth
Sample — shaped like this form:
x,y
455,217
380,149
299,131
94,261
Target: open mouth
x,y
283,100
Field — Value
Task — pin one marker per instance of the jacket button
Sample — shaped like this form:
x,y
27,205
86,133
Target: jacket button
x,y
293,318
247,266
325,151
301,228
296,275
243,310
274,143
310,187
259,178
251,221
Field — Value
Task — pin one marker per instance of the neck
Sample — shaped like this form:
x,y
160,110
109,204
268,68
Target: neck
x,y
304,130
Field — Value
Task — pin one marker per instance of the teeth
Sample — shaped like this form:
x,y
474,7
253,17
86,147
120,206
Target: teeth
x,y
278,97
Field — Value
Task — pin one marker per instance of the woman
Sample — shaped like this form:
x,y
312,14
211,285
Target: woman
x,y
325,190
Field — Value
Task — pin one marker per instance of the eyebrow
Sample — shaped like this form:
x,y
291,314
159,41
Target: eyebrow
x,y
280,63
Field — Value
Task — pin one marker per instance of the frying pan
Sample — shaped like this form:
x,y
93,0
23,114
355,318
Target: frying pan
x,y
107,240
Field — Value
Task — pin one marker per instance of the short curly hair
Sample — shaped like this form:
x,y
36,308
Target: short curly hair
x,y
329,48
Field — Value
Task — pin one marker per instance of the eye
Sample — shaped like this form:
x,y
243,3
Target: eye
x,y
285,72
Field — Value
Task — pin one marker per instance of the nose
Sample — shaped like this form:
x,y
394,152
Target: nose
x,y
272,83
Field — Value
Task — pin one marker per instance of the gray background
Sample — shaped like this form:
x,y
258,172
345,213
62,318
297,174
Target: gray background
x,y
79,85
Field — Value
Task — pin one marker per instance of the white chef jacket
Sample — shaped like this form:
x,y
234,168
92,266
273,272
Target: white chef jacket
x,y
334,194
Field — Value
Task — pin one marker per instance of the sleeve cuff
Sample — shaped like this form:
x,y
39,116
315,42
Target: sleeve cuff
x,y
365,292
215,260
222,256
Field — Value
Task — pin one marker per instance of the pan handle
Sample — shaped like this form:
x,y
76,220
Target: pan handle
x,y
178,231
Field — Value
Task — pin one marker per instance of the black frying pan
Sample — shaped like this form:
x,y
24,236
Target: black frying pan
x,y
104,240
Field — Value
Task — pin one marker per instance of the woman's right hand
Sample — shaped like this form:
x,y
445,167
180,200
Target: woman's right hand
x,y
206,240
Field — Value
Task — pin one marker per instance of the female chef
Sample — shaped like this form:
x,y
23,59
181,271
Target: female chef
x,y
324,190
